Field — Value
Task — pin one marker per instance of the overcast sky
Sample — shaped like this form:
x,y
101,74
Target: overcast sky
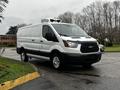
x,y
30,9
35,9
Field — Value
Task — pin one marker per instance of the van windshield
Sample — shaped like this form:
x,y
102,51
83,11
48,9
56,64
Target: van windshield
x,y
69,30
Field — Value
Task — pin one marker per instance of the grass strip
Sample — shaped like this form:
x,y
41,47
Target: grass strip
x,y
12,69
114,48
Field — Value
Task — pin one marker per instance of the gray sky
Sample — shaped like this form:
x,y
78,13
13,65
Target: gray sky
x,y
28,10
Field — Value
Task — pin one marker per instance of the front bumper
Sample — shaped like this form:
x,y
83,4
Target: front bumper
x,y
81,58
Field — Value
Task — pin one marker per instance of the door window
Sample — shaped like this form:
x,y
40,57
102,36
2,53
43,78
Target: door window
x,y
48,33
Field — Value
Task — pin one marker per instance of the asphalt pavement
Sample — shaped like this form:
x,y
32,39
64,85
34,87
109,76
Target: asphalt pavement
x,y
104,75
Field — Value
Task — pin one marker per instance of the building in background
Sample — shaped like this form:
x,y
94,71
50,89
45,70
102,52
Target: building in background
x,y
7,40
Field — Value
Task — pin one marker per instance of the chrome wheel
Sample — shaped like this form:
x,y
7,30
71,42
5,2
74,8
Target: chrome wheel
x,y
22,56
56,62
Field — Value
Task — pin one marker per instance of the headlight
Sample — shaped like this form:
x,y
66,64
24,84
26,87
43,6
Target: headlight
x,y
102,48
70,44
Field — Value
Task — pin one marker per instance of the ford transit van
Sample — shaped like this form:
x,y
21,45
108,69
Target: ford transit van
x,y
61,43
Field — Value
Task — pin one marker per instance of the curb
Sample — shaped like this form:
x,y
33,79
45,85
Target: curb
x,y
13,83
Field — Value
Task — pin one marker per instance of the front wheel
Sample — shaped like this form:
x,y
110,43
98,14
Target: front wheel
x,y
57,62
24,57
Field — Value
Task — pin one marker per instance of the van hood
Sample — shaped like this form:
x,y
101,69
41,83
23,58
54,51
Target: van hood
x,y
79,38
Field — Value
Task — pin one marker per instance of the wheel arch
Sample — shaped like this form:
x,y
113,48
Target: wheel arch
x,y
20,50
55,51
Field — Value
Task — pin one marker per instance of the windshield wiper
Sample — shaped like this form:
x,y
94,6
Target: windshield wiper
x,y
63,34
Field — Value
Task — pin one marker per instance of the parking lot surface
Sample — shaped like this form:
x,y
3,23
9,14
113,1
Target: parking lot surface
x,y
104,75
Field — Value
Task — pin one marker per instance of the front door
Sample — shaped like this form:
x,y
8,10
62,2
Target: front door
x,y
48,42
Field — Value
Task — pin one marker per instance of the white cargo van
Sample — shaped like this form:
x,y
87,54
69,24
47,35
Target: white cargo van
x,y
61,43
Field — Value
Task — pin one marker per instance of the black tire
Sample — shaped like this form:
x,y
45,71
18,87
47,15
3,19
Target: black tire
x,y
57,61
24,56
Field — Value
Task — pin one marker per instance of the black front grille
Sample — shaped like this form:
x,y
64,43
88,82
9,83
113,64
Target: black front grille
x,y
87,47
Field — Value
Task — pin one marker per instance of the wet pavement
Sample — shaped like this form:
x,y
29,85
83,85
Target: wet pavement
x,y
104,75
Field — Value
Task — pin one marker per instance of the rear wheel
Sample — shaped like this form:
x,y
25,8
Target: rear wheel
x,y
24,57
57,61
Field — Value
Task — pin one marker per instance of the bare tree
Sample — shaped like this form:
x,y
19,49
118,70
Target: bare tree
x,y
100,19
2,6
67,17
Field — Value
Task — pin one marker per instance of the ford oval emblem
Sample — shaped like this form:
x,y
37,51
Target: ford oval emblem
x,y
90,46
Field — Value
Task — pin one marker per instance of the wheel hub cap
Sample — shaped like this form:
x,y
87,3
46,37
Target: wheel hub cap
x,y
56,62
